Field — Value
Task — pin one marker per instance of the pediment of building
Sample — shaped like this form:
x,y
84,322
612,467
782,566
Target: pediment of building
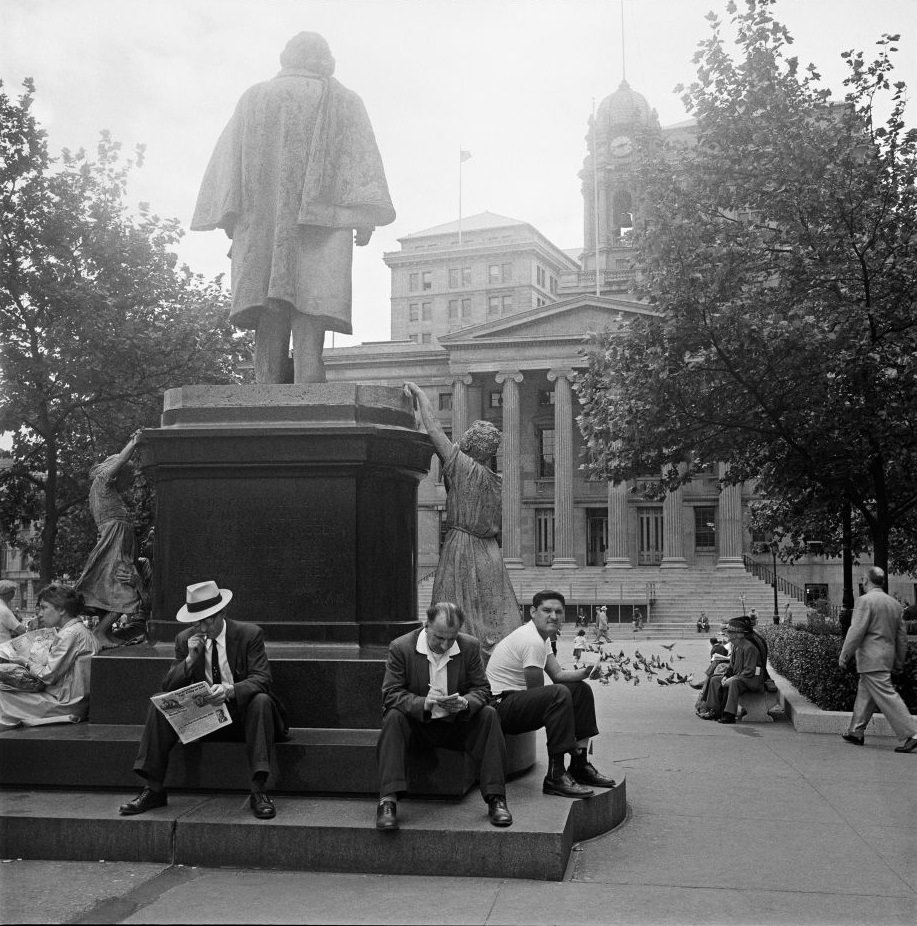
x,y
567,320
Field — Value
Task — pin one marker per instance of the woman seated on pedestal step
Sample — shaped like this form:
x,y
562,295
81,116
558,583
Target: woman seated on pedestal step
x,y
63,668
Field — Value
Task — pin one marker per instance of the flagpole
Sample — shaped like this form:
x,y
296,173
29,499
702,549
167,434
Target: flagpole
x,y
595,198
461,162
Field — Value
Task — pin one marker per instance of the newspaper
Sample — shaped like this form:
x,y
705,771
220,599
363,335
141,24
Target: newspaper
x,y
35,643
188,712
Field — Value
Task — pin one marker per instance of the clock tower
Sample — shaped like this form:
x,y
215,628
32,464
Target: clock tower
x,y
610,196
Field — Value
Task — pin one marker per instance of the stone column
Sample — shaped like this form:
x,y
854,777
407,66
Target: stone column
x,y
563,470
512,470
729,526
673,531
460,417
616,556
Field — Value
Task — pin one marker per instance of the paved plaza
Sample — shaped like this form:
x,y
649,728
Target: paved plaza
x,y
726,824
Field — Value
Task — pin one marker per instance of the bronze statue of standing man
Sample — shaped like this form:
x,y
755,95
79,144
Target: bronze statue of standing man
x,y
296,178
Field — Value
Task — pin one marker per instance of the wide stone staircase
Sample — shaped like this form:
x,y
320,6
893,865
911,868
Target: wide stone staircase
x,y
671,600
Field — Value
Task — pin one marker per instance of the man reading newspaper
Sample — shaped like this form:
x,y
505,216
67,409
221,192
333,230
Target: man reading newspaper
x,y
228,656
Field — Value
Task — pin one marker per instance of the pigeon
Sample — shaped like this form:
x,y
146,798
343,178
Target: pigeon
x,y
669,647
679,656
636,682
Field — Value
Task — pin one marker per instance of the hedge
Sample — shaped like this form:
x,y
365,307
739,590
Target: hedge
x,y
809,661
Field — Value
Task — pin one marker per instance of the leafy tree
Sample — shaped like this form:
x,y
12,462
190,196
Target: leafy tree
x,y
96,320
780,253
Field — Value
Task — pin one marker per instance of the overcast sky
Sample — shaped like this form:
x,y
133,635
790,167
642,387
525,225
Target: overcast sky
x,y
511,81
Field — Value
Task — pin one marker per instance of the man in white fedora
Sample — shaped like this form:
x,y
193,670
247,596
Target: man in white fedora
x,y
230,657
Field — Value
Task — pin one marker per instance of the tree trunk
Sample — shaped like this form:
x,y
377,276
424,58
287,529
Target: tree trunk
x,y
49,523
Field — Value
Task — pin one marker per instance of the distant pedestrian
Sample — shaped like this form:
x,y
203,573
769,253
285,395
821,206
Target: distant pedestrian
x,y
878,638
601,625
703,625
579,644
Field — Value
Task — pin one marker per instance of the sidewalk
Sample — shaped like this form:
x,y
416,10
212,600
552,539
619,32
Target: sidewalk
x,y
727,824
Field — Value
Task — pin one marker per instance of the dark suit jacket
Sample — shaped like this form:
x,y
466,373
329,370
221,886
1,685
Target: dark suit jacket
x,y
251,672
407,677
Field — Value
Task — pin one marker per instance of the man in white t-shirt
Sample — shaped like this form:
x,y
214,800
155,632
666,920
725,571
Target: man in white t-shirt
x,y
566,709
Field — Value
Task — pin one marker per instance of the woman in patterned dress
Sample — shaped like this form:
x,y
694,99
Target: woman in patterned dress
x,y
109,583
471,572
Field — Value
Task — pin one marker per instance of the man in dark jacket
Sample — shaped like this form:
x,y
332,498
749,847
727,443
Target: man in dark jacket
x,y
435,693
230,657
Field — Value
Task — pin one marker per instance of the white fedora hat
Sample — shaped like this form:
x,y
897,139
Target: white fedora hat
x,y
202,600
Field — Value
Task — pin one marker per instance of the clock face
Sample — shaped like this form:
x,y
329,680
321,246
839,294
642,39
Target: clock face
x,y
621,146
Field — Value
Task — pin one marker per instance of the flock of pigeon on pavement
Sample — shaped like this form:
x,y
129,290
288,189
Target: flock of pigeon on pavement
x,y
628,668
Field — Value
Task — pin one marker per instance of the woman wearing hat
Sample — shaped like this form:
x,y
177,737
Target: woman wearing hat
x,y
745,673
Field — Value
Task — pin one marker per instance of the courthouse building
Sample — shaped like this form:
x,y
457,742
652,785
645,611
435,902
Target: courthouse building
x,y
489,317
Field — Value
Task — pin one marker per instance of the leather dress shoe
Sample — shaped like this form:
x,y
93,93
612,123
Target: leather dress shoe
x,y
262,806
909,745
727,718
147,799
850,738
498,812
588,774
565,786
387,816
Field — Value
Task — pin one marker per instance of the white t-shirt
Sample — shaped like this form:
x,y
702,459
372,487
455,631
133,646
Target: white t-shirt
x,y
523,648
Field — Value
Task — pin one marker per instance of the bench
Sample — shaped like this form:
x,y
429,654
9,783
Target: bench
x,y
755,704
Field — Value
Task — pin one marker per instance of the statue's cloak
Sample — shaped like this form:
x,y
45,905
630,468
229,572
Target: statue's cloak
x,y
295,171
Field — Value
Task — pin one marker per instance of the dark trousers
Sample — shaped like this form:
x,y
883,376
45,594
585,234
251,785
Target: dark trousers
x,y
719,698
254,724
480,736
565,710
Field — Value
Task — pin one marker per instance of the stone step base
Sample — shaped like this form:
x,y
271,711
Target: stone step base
x,y
312,834
332,761
321,686
680,594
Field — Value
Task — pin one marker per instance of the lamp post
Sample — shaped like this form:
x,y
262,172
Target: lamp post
x,y
774,555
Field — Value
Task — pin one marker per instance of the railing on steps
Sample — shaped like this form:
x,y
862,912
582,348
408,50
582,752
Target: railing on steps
x,y
766,574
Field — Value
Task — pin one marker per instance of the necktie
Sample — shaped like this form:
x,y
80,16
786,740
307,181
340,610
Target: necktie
x,y
215,663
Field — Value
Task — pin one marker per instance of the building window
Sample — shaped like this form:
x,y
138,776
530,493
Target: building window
x,y
546,397
506,305
412,337
816,592
553,284
445,401
496,400
540,276
546,453
414,312
704,528
426,338
544,536
459,277
426,313
453,308
443,529
466,308
500,273
414,282
427,280
493,305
